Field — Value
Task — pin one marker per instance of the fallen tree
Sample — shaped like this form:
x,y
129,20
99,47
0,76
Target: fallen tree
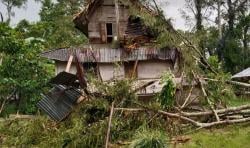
x,y
186,116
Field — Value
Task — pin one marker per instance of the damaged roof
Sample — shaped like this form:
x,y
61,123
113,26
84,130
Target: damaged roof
x,y
243,74
81,19
59,102
107,55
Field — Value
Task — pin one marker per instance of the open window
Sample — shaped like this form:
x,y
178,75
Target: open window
x,y
90,68
109,29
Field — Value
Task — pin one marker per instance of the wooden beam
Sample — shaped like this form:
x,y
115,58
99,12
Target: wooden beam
x,y
117,14
69,63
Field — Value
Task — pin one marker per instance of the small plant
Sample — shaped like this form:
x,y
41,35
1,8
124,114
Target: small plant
x,y
146,138
166,96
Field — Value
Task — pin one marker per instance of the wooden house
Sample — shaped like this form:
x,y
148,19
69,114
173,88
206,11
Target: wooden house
x,y
106,22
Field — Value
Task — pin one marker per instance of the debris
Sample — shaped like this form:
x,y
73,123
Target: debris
x,y
64,78
59,102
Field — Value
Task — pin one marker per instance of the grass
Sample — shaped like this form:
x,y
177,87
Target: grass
x,y
239,101
235,136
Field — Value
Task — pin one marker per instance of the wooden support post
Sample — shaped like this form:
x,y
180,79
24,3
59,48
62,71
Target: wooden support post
x,y
117,15
69,63
134,68
109,124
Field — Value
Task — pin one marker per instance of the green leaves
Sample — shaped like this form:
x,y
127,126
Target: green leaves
x,y
22,70
10,41
166,96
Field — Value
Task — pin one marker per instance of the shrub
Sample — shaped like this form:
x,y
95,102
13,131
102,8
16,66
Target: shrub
x,y
146,138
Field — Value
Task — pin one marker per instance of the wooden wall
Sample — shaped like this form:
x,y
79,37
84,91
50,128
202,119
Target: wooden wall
x,y
110,71
61,66
106,14
152,69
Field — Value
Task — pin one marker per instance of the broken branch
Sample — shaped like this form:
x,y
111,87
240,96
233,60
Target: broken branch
x,y
109,124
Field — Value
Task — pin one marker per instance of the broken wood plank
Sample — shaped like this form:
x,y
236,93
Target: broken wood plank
x,y
69,63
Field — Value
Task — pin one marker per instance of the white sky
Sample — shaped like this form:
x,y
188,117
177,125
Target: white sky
x,y
31,12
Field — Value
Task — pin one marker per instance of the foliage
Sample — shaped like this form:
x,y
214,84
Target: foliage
x,y
219,92
56,28
166,96
120,91
159,25
22,72
148,138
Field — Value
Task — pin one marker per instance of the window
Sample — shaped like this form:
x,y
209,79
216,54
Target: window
x,y
90,68
109,28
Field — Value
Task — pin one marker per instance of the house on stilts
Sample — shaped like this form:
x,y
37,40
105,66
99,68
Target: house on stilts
x,y
117,37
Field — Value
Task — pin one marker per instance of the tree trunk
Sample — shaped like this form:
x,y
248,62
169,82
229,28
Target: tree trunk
x,y
219,18
1,16
231,15
198,16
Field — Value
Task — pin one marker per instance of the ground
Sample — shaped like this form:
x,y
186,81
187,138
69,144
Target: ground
x,y
235,136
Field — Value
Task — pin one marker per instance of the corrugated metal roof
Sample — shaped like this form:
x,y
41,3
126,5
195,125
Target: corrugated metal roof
x,y
242,74
107,55
59,102
64,78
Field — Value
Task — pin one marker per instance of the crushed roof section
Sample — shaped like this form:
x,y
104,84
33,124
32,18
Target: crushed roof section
x,y
107,55
242,74
59,102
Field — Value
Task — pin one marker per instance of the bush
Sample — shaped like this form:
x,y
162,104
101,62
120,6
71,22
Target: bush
x,y
146,138
166,96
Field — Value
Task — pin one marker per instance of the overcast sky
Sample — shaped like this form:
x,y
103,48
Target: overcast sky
x,y
32,9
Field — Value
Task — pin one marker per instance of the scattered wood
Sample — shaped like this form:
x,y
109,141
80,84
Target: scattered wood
x,y
109,125
220,111
186,116
206,96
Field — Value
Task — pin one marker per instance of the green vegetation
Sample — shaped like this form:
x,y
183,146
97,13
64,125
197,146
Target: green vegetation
x,y
24,76
146,138
167,95
229,137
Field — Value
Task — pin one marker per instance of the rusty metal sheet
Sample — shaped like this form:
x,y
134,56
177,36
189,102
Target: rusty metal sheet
x,y
59,102
109,55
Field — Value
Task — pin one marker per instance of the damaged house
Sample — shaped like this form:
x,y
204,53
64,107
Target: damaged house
x,y
120,46
135,56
